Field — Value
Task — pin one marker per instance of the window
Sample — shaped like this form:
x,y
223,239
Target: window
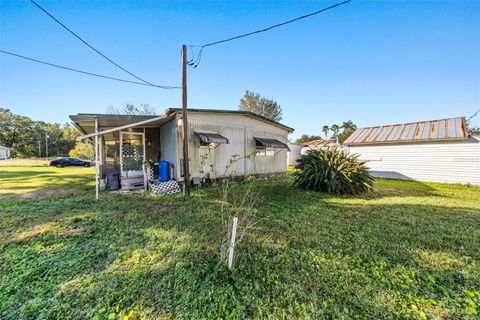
x,y
266,146
266,152
206,145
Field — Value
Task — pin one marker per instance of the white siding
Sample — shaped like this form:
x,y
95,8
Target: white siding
x,y
437,162
4,153
294,153
168,144
240,130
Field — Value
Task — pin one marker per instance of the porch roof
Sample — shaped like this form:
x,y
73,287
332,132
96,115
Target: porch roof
x,y
85,122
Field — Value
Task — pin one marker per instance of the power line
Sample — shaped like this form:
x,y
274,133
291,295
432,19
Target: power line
x,y
86,72
196,61
89,45
474,115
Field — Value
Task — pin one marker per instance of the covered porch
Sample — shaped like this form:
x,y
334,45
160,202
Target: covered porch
x,y
124,143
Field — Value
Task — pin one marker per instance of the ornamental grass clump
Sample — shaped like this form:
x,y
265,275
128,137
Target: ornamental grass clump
x,y
332,171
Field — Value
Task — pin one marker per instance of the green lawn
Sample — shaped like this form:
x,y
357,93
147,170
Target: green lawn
x,y
410,250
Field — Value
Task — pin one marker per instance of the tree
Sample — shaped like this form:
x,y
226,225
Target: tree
x,y
348,128
263,106
17,132
335,129
305,138
471,129
325,130
27,138
131,109
474,130
83,150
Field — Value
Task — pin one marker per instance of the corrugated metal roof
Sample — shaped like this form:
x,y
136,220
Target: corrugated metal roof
x,y
86,122
238,112
424,131
318,143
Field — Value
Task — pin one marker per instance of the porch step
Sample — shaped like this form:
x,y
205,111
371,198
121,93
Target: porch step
x,y
129,183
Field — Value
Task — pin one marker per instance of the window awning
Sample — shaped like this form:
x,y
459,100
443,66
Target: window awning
x,y
270,143
207,137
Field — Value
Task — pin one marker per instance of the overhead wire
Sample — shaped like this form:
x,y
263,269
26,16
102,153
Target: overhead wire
x,y
89,45
473,116
196,61
86,72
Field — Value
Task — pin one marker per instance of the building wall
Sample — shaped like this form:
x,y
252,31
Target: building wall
x,y
438,162
168,144
240,130
294,153
4,153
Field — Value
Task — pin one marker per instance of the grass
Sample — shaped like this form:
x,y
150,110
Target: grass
x,y
409,250
31,162
27,180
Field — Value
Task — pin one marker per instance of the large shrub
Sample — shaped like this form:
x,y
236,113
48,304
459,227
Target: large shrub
x,y
333,171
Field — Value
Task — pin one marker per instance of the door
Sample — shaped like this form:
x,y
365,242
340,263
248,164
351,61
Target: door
x,y
132,154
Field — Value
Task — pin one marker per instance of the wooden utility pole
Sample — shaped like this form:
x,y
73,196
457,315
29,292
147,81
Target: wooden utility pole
x,y
186,171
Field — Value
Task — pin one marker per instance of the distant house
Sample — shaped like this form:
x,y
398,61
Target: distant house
x,y
297,149
437,150
318,144
4,152
214,138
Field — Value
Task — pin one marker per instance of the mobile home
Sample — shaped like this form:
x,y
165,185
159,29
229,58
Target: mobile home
x,y
220,143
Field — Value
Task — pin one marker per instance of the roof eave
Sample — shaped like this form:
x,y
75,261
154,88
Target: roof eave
x,y
238,112
404,142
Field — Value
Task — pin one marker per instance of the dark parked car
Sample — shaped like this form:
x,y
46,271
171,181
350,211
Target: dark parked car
x,y
64,162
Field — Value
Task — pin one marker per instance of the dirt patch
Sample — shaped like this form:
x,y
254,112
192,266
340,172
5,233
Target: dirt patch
x,y
45,193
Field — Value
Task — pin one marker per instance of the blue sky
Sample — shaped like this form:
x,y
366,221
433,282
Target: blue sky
x,y
372,62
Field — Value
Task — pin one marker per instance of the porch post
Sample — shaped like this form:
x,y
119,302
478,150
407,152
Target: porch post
x,y
101,159
145,178
96,159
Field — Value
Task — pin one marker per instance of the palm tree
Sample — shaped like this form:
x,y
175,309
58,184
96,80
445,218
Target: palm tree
x,y
335,128
348,126
325,130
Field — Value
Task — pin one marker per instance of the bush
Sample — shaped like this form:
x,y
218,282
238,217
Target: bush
x,y
83,150
333,171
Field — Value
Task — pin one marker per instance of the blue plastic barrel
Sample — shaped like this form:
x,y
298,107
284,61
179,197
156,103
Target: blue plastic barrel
x,y
164,171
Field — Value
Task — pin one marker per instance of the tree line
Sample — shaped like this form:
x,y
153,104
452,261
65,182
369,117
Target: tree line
x,y
270,109
336,132
30,138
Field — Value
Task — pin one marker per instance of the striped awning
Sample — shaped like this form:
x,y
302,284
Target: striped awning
x,y
270,143
207,137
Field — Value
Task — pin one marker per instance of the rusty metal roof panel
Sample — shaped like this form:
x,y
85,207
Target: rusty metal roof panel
x,y
424,131
318,143
384,133
396,132
356,133
362,133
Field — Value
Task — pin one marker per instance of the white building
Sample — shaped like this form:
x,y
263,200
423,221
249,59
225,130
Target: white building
x,y
4,152
257,145
294,153
438,151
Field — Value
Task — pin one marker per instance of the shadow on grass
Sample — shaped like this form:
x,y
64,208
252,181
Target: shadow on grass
x,y
312,256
